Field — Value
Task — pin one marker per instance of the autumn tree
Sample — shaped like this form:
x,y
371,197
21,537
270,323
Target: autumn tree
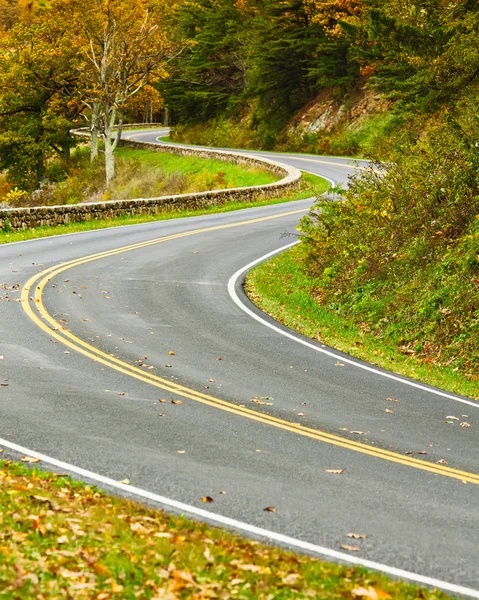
x,y
124,47
38,78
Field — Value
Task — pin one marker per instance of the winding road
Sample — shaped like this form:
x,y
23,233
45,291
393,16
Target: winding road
x,y
133,353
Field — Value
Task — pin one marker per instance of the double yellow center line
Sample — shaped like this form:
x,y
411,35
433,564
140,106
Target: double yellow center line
x,y
32,302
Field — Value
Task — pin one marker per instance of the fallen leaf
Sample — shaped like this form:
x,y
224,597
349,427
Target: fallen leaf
x,y
169,366
300,414
121,394
388,411
177,402
291,579
171,353
370,592
222,492
209,557
270,509
126,481
357,536
421,452
408,452
139,528
392,399
441,462
339,364
30,459
334,471
253,568
101,569
63,539
464,424
180,451
350,548
207,499
116,587
453,418
359,432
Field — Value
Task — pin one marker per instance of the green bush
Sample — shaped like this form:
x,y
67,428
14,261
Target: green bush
x,y
401,253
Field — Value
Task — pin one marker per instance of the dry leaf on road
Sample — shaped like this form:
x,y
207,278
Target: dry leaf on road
x,y
335,471
350,548
357,536
30,459
270,509
207,499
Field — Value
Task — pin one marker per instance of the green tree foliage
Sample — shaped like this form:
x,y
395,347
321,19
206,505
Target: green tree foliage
x,y
266,53
211,75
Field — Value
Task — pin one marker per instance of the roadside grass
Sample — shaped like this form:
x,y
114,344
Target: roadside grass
x,y
138,174
204,173
283,289
312,185
60,538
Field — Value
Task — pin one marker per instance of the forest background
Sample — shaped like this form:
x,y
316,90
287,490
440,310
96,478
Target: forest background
x,y
395,81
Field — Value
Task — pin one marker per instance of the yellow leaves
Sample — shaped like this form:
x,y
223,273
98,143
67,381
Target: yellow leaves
x,y
30,6
250,567
335,471
370,592
30,459
139,528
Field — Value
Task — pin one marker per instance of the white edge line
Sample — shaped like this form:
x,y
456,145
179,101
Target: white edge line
x,y
360,365
268,535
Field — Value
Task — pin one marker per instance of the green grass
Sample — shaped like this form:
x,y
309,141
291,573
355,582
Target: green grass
x,y
283,289
311,186
139,173
200,171
165,138
64,539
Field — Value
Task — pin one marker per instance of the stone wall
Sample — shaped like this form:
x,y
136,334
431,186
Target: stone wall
x,y
17,219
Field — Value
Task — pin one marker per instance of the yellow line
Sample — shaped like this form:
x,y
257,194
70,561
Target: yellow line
x,y
54,329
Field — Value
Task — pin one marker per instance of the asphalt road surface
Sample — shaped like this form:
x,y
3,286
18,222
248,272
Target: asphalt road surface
x,y
88,377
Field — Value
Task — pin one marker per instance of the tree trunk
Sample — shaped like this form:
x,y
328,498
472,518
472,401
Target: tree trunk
x,y
109,159
166,117
94,133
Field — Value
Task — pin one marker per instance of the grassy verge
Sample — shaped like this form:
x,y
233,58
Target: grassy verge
x,y
138,174
311,186
63,539
281,288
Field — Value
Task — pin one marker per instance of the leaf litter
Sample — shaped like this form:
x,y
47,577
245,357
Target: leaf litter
x,y
91,545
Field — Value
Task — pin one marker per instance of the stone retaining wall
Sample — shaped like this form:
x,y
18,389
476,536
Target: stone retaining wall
x,y
16,219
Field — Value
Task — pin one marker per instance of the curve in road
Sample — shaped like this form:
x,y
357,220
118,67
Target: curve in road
x,y
163,287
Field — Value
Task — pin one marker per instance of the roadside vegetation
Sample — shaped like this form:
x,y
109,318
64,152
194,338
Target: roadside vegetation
x,y
311,187
63,539
139,174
